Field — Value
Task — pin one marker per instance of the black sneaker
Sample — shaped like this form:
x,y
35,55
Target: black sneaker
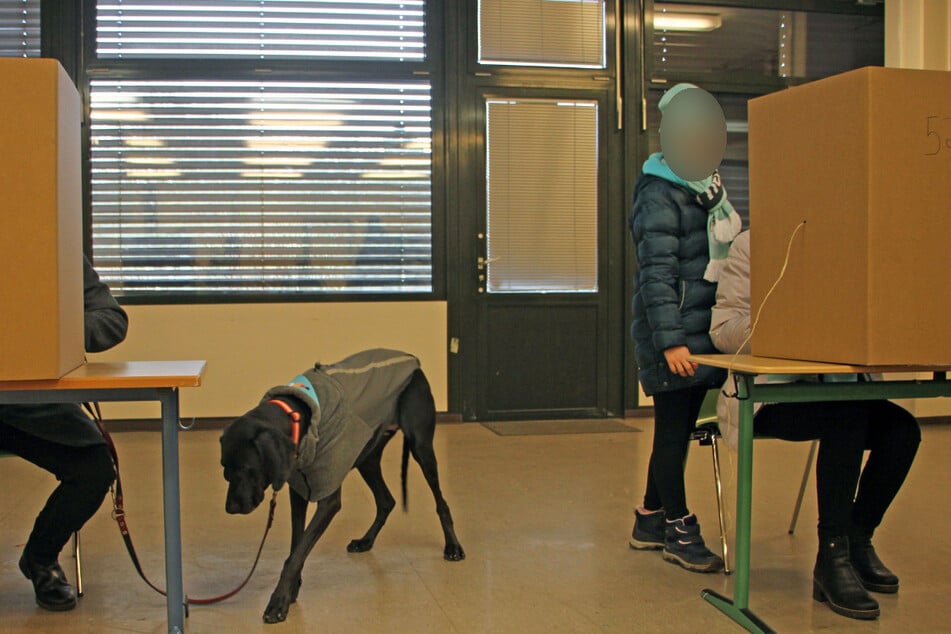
x,y
684,546
648,533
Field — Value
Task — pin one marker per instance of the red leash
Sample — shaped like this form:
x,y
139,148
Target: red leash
x,y
118,514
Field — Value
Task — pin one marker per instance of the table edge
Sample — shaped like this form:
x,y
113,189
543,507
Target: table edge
x,y
124,379
751,364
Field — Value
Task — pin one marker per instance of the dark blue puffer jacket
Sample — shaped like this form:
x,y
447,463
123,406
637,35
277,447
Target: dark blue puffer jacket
x,y
672,301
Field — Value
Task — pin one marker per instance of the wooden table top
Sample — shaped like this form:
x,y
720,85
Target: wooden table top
x,y
750,364
127,374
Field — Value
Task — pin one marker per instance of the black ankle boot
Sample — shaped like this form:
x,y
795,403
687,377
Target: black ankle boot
x,y
875,576
834,580
49,584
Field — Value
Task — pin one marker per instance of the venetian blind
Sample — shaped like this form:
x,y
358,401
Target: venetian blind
x,y
697,40
315,29
230,187
542,196
205,188
19,28
542,33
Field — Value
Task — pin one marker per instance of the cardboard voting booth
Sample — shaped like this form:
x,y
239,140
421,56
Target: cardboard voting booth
x,y
41,279
865,159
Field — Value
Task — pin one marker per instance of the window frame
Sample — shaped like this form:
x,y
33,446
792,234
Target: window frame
x,y
90,67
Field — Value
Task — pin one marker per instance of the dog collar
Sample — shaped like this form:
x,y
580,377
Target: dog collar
x,y
303,384
295,421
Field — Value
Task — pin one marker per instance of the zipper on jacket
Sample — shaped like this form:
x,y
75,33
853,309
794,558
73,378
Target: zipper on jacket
x,y
683,294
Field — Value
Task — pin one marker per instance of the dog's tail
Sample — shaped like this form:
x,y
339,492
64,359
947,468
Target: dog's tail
x,y
403,467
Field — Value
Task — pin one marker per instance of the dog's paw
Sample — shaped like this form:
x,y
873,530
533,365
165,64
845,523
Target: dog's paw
x,y
359,546
277,609
453,552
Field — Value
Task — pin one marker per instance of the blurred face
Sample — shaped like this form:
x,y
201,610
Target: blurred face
x,y
693,134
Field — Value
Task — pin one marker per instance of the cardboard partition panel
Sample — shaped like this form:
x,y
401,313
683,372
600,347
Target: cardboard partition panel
x,y
864,159
41,285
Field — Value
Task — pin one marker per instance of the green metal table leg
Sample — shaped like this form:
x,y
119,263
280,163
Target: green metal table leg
x,y
738,608
742,617
744,501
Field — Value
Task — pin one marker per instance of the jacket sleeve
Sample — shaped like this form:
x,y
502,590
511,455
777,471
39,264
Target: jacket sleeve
x,y
655,227
730,317
105,321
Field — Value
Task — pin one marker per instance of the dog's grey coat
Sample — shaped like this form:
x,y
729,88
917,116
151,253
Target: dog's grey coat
x,y
357,397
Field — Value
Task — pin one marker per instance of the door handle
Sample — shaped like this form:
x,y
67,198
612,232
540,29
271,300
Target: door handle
x,y
481,262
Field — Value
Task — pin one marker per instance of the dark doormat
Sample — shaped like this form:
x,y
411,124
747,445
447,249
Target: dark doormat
x,y
556,427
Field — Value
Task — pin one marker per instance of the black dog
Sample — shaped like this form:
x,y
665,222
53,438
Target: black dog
x,y
333,418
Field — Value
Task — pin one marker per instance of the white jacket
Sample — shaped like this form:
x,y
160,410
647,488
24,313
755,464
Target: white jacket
x,y
730,327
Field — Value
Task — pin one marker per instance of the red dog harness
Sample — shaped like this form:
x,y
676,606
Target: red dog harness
x,y
295,422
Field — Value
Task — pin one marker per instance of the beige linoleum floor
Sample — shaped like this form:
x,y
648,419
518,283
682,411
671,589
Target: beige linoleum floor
x,y
544,521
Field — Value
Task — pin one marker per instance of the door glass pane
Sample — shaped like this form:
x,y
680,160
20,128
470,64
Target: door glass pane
x,y
698,40
542,196
542,32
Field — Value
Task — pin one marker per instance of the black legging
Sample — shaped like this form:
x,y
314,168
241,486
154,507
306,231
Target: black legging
x,y
85,474
675,416
845,430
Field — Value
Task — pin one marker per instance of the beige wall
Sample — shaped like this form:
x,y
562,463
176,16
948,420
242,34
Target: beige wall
x,y
918,34
251,347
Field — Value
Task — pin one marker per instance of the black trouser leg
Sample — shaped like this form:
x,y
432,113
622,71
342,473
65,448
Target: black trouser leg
x,y
675,416
845,429
841,428
84,473
893,440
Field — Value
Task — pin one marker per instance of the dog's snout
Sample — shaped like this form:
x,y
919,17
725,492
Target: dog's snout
x,y
243,497
236,507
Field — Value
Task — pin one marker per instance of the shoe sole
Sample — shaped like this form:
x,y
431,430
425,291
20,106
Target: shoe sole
x,y
863,615
714,566
882,588
58,608
637,544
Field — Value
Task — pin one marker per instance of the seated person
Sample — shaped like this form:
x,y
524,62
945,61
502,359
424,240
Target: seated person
x,y
63,440
847,566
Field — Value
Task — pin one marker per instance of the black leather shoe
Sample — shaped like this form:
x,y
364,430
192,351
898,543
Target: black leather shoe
x,y
834,580
875,576
52,590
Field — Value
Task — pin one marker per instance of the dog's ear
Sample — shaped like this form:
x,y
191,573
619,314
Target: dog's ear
x,y
276,451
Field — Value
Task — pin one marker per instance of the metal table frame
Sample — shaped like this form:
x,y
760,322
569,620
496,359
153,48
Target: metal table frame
x,y
168,398
738,608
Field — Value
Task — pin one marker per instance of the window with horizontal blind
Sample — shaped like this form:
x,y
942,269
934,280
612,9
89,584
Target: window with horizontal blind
x,y
237,188
567,33
542,195
19,28
314,29
217,187
740,43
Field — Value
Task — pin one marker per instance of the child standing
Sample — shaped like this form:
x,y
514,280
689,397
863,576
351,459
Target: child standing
x,y
681,230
